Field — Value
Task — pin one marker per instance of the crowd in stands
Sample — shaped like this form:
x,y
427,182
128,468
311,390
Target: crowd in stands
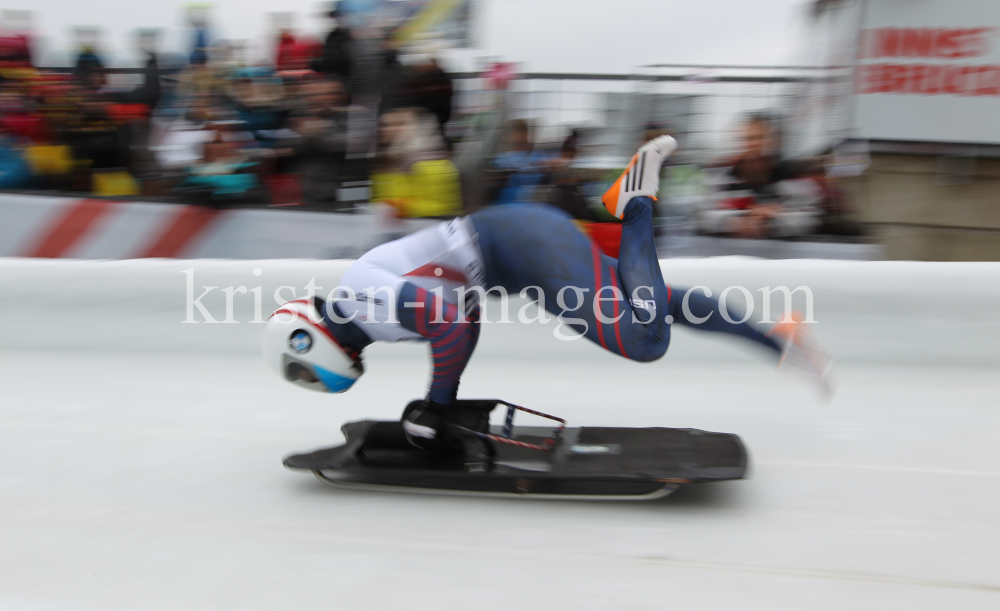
x,y
755,194
323,118
758,194
220,132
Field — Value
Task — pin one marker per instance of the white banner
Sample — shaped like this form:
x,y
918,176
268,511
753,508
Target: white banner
x,y
929,71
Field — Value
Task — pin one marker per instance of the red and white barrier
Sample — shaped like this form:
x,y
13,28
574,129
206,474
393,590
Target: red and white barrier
x,y
60,227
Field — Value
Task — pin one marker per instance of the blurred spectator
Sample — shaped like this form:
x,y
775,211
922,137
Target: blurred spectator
x,y
369,54
223,175
22,119
200,79
760,195
149,92
94,136
393,87
294,52
200,43
258,95
430,87
374,84
413,172
15,172
286,58
565,183
514,174
836,216
336,59
227,59
319,142
89,69
182,144
15,53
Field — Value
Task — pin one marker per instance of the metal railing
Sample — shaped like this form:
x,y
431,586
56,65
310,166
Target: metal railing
x,y
701,105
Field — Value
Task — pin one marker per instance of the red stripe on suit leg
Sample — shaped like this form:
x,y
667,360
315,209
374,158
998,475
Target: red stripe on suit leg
x,y
597,287
618,331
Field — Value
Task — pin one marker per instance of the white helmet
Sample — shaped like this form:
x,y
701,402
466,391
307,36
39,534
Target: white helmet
x,y
299,346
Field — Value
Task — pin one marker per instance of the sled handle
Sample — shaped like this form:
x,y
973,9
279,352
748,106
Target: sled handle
x,y
508,427
505,437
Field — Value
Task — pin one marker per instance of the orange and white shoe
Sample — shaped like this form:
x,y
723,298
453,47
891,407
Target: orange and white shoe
x,y
802,353
641,177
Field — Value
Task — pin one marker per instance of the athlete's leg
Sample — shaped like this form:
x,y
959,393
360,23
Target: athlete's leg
x,y
703,313
452,337
622,304
631,198
540,250
538,246
652,300
619,304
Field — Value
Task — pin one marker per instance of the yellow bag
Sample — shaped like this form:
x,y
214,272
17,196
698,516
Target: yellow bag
x,y
114,183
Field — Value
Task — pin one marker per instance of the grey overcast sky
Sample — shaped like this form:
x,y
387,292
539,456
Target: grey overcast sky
x,y
549,35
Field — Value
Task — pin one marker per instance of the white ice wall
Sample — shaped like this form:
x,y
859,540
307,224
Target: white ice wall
x,y
866,311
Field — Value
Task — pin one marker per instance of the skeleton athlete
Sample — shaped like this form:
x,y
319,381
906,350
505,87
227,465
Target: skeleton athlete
x,y
399,291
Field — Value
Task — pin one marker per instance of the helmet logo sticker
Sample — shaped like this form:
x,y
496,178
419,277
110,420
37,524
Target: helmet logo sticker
x,y
300,341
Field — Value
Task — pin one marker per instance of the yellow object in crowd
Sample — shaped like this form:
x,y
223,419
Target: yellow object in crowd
x,y
114,183
432,13
430,188
49,160
18,74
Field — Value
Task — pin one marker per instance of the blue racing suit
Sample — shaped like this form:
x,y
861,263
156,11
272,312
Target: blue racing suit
x,y
538,248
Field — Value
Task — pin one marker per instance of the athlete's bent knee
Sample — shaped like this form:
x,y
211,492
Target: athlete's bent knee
x,y
649,352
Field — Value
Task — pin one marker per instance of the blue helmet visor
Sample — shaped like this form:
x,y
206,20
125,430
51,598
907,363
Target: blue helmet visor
x,y
315,378
333,382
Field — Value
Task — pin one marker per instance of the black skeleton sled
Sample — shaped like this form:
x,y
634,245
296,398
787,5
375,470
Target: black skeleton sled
x,y
593,463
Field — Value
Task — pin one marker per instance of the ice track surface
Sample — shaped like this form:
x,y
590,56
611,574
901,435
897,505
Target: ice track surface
x,y
141,457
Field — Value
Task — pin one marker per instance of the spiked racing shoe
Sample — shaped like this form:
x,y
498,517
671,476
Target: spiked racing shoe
x,y
641,177
803,354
